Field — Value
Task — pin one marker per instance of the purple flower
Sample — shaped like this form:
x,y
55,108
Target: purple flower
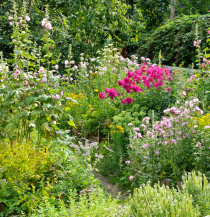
x,y
156,152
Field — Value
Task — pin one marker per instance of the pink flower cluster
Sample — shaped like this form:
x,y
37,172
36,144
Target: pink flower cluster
x,y
197,43
128,100
147,76
173,128
47,24
110,92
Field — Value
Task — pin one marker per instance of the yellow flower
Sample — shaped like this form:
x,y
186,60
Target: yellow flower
x,y
96,90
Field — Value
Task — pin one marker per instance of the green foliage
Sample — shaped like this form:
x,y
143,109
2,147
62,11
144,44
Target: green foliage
x,y
161,201
189,7
196,184
175,40
93,205
154,12
22,165
76,23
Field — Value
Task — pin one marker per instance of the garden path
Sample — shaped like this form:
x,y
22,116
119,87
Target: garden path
x,y
109,187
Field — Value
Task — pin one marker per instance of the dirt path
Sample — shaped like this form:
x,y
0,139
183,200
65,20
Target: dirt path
x,y
109,187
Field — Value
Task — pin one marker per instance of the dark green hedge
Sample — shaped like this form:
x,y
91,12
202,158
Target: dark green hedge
x,y
175,40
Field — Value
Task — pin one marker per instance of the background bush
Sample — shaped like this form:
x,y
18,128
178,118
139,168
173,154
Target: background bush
x,y
175,40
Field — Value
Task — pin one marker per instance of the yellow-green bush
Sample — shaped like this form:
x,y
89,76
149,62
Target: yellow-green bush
x,y
21,165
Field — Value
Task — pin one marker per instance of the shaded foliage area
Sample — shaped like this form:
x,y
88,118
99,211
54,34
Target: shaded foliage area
x,y
175,40
79,23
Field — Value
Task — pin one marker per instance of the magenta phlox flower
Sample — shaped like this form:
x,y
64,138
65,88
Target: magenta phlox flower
x,y
129,100
127,162
102,95
120,82
112,92
145,145
156,152
136,89
123,101
130,74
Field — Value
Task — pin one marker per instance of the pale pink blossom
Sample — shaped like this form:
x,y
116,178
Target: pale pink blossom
x,y
131,178
48,26
127,162
136,129
17,72
10,23
61,93
207,127
37,91
54,122
10,18
57,96
44,21
139,135
156,152
28,18
25,82
41,70
56,66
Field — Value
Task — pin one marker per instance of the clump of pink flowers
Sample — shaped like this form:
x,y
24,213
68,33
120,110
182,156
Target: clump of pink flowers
x,y
147,76
110,92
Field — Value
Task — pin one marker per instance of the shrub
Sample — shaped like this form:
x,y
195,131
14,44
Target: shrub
x,y
196,184
95,204
171,146
22,165
175,40
161,201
